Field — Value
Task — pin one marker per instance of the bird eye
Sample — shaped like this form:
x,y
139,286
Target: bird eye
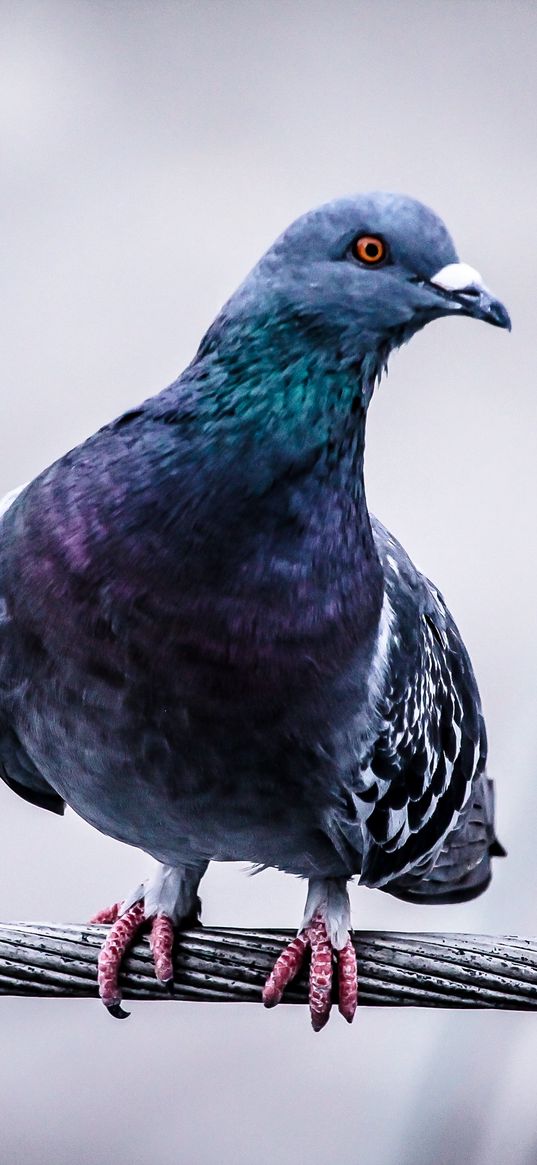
x,y
369,249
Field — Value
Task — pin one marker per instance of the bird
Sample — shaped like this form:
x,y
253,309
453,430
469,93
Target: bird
x,y
211,650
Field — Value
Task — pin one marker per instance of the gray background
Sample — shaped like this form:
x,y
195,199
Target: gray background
x,y
149,153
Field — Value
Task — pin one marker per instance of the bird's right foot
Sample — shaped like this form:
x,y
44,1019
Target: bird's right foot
x,y
167,900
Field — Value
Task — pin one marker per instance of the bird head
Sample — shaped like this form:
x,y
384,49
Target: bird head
x,y
362,274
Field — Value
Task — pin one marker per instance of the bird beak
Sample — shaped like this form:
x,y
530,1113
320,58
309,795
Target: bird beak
x,y
466,292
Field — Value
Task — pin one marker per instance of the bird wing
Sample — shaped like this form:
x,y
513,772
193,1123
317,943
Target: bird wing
x,y
16,767
462,869
430,750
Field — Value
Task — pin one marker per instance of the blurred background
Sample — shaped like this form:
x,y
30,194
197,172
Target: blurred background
x,y
150,151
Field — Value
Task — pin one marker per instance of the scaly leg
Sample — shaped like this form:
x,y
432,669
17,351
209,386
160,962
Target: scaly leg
x,y
325,930
168,900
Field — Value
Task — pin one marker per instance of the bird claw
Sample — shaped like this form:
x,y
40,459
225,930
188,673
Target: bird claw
x,y
165,901
117,1011
125,925
315,937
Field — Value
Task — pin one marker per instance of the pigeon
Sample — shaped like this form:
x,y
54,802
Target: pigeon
x,y
211,650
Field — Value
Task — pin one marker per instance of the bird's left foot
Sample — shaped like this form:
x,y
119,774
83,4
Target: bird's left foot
x,y
325,932
167,900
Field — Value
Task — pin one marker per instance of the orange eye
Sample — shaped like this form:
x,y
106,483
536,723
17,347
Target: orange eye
x,y
369,249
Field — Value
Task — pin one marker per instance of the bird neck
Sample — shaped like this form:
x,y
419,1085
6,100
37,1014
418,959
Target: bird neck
x,y
272,457
281,403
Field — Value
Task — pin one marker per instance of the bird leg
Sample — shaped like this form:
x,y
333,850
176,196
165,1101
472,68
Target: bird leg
x,y
167,900
325,931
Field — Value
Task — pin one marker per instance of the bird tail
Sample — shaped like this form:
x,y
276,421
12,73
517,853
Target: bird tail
x,y
463,868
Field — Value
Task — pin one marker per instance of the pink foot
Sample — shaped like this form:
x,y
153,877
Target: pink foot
x,y
290,961
122,933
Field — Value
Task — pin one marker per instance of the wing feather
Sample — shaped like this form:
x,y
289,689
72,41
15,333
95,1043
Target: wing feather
x,y
431,745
